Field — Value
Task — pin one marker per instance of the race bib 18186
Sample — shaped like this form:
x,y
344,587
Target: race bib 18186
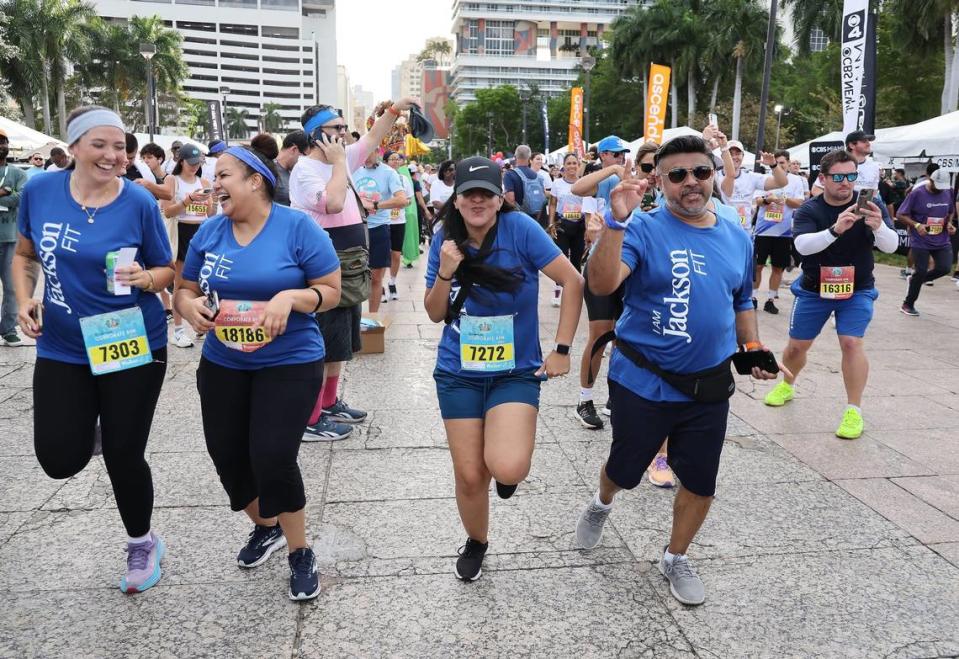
x,y
236,325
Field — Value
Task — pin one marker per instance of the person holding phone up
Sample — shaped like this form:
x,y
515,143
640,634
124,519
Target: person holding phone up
x,y
687,306
835,233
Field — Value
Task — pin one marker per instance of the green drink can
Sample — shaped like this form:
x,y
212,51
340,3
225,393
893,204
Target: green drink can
x,y
111,263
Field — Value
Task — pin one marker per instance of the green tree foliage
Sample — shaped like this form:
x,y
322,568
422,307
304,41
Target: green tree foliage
x,y
236,125
272,119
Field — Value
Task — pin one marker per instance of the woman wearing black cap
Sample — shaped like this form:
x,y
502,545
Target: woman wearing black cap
x,y
483,280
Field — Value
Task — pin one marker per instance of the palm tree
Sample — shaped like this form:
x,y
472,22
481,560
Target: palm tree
x,y
922,23
738,30
809,15
272,119
236,122
18,70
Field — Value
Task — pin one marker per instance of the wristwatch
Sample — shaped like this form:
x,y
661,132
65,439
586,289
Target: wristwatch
x,y
832,230
562,349
612,223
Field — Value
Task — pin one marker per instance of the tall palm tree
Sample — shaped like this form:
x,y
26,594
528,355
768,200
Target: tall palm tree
x,y
236,122
809,15
738,30
922,23
272,119
18,70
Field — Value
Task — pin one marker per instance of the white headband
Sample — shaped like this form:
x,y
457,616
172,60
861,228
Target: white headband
x,y
92,119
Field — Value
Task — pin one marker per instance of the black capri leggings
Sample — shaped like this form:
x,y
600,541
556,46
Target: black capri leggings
x,y
68,398
571,240
253,422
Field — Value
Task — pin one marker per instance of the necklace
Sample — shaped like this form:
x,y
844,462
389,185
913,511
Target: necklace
x,y
83,206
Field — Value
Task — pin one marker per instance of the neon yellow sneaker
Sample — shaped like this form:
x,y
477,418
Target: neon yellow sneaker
x,y
781,394
851,426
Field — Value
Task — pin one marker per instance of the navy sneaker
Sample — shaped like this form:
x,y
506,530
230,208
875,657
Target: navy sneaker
x,y
304,578
505,491
469,566
263,541
343,413
327,430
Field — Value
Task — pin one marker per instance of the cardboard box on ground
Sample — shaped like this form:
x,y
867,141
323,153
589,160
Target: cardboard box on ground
x,y
373,333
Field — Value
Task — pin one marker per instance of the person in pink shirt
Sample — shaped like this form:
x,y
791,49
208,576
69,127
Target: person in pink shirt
x,y
320,185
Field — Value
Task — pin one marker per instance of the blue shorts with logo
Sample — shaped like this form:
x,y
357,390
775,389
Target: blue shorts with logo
x,y
380,246
810,312
464,397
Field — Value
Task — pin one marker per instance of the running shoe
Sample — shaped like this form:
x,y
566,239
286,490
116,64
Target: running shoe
x,y
586,412
393,293
908,309
143,564
169,316
589,528
770,307
684,583
469,566
384,297
851,426
659,473
181,339
781,394
505,491
904,273
607,408
12,340
304,577
755,303
343,413
557,297
327,430
263,541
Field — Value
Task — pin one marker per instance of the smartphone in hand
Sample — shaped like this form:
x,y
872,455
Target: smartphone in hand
x,y
746,361
37,314
865,196
212,303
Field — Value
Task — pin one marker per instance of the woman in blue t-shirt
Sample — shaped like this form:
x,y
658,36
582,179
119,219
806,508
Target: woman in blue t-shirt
x,y
100,328
483,280
252,278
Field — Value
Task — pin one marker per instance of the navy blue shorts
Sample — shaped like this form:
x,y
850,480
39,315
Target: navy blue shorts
x,y
471,397
380,246
696,433
810,312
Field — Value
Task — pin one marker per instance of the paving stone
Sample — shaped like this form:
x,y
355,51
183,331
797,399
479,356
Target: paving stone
x,y
936,449
837,458
16,436
383,617
24,486
949,551
926,523
941,492
824,604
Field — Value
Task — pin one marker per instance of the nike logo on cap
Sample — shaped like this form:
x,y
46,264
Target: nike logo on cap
x,y
473,169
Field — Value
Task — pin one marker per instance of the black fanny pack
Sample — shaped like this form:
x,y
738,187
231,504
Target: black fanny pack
x,y
713,385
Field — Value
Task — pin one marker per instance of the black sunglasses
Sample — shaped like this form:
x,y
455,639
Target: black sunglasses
x,y
679,174
338,127
646,167
851,177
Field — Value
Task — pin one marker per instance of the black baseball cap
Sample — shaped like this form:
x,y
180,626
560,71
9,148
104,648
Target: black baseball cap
x,y
858,136
191,153
478,172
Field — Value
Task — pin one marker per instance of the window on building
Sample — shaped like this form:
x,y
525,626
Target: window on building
x,y
499,37
818,40
282,5
240,44
289,60
212,42
254,58
203,27
244,4
162,2
279,32
206,3
232,28
294,49
243,69
471,42
195,76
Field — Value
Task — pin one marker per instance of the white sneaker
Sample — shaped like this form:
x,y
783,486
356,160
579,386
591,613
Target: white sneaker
x,y
394,294
557,299
385,297
181,339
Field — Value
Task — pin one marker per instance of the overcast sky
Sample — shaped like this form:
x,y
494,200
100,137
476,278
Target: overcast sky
x,y
373,36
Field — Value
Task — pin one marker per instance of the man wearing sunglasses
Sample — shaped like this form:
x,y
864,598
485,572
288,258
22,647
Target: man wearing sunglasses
x,y
36,165
688,306
835,241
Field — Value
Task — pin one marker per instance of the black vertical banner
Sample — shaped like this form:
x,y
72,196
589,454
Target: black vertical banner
x,y
214,120
869,83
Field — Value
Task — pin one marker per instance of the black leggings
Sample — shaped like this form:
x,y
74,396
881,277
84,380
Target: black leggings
x,y
942,258
253,422
68,398
571,240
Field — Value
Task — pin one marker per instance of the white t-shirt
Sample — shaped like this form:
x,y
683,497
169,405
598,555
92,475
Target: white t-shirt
x,y
869,175
144,171
779,222
568,205
428,180
54,168
398,215
744,189
169,164
546,179
308,181
440,192
208,168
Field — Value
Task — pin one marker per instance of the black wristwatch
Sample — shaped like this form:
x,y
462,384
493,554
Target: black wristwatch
x,y
832,230
562,349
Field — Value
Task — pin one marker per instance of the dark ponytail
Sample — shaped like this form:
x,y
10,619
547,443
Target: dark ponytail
x,y
472,267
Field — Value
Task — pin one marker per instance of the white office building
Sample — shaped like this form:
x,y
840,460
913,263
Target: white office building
x,y
500,42
256,51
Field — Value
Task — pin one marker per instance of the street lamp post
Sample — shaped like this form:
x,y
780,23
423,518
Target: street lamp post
x,y
224,92
489,134
778,109
588,63
524,97
148,50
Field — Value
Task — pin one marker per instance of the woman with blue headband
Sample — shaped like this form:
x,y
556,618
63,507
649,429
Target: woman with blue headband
x,y
100,328
253,277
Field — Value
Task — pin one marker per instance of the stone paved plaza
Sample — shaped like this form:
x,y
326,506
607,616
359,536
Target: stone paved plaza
x,y
815,546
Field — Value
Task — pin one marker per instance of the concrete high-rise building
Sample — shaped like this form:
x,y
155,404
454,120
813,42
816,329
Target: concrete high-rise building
x,y
261,51
501,42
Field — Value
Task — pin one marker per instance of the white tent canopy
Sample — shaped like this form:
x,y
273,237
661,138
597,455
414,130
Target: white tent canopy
x,y
24,141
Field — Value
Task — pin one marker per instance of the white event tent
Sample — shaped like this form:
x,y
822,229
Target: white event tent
x,y
24,141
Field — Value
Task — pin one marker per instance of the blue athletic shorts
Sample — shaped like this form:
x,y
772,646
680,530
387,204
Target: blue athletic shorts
x,y
471,397
810,312
380,247
696,433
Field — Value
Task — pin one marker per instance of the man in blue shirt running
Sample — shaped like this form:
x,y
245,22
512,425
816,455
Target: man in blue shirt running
x,y
687,306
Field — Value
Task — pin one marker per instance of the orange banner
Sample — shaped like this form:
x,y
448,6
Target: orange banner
x,y
657,99
576,121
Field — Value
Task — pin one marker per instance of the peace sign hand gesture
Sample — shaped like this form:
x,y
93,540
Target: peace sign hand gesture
x,y
628,195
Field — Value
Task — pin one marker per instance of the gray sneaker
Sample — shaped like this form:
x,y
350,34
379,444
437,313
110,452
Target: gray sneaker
x,y
684,583
589,529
